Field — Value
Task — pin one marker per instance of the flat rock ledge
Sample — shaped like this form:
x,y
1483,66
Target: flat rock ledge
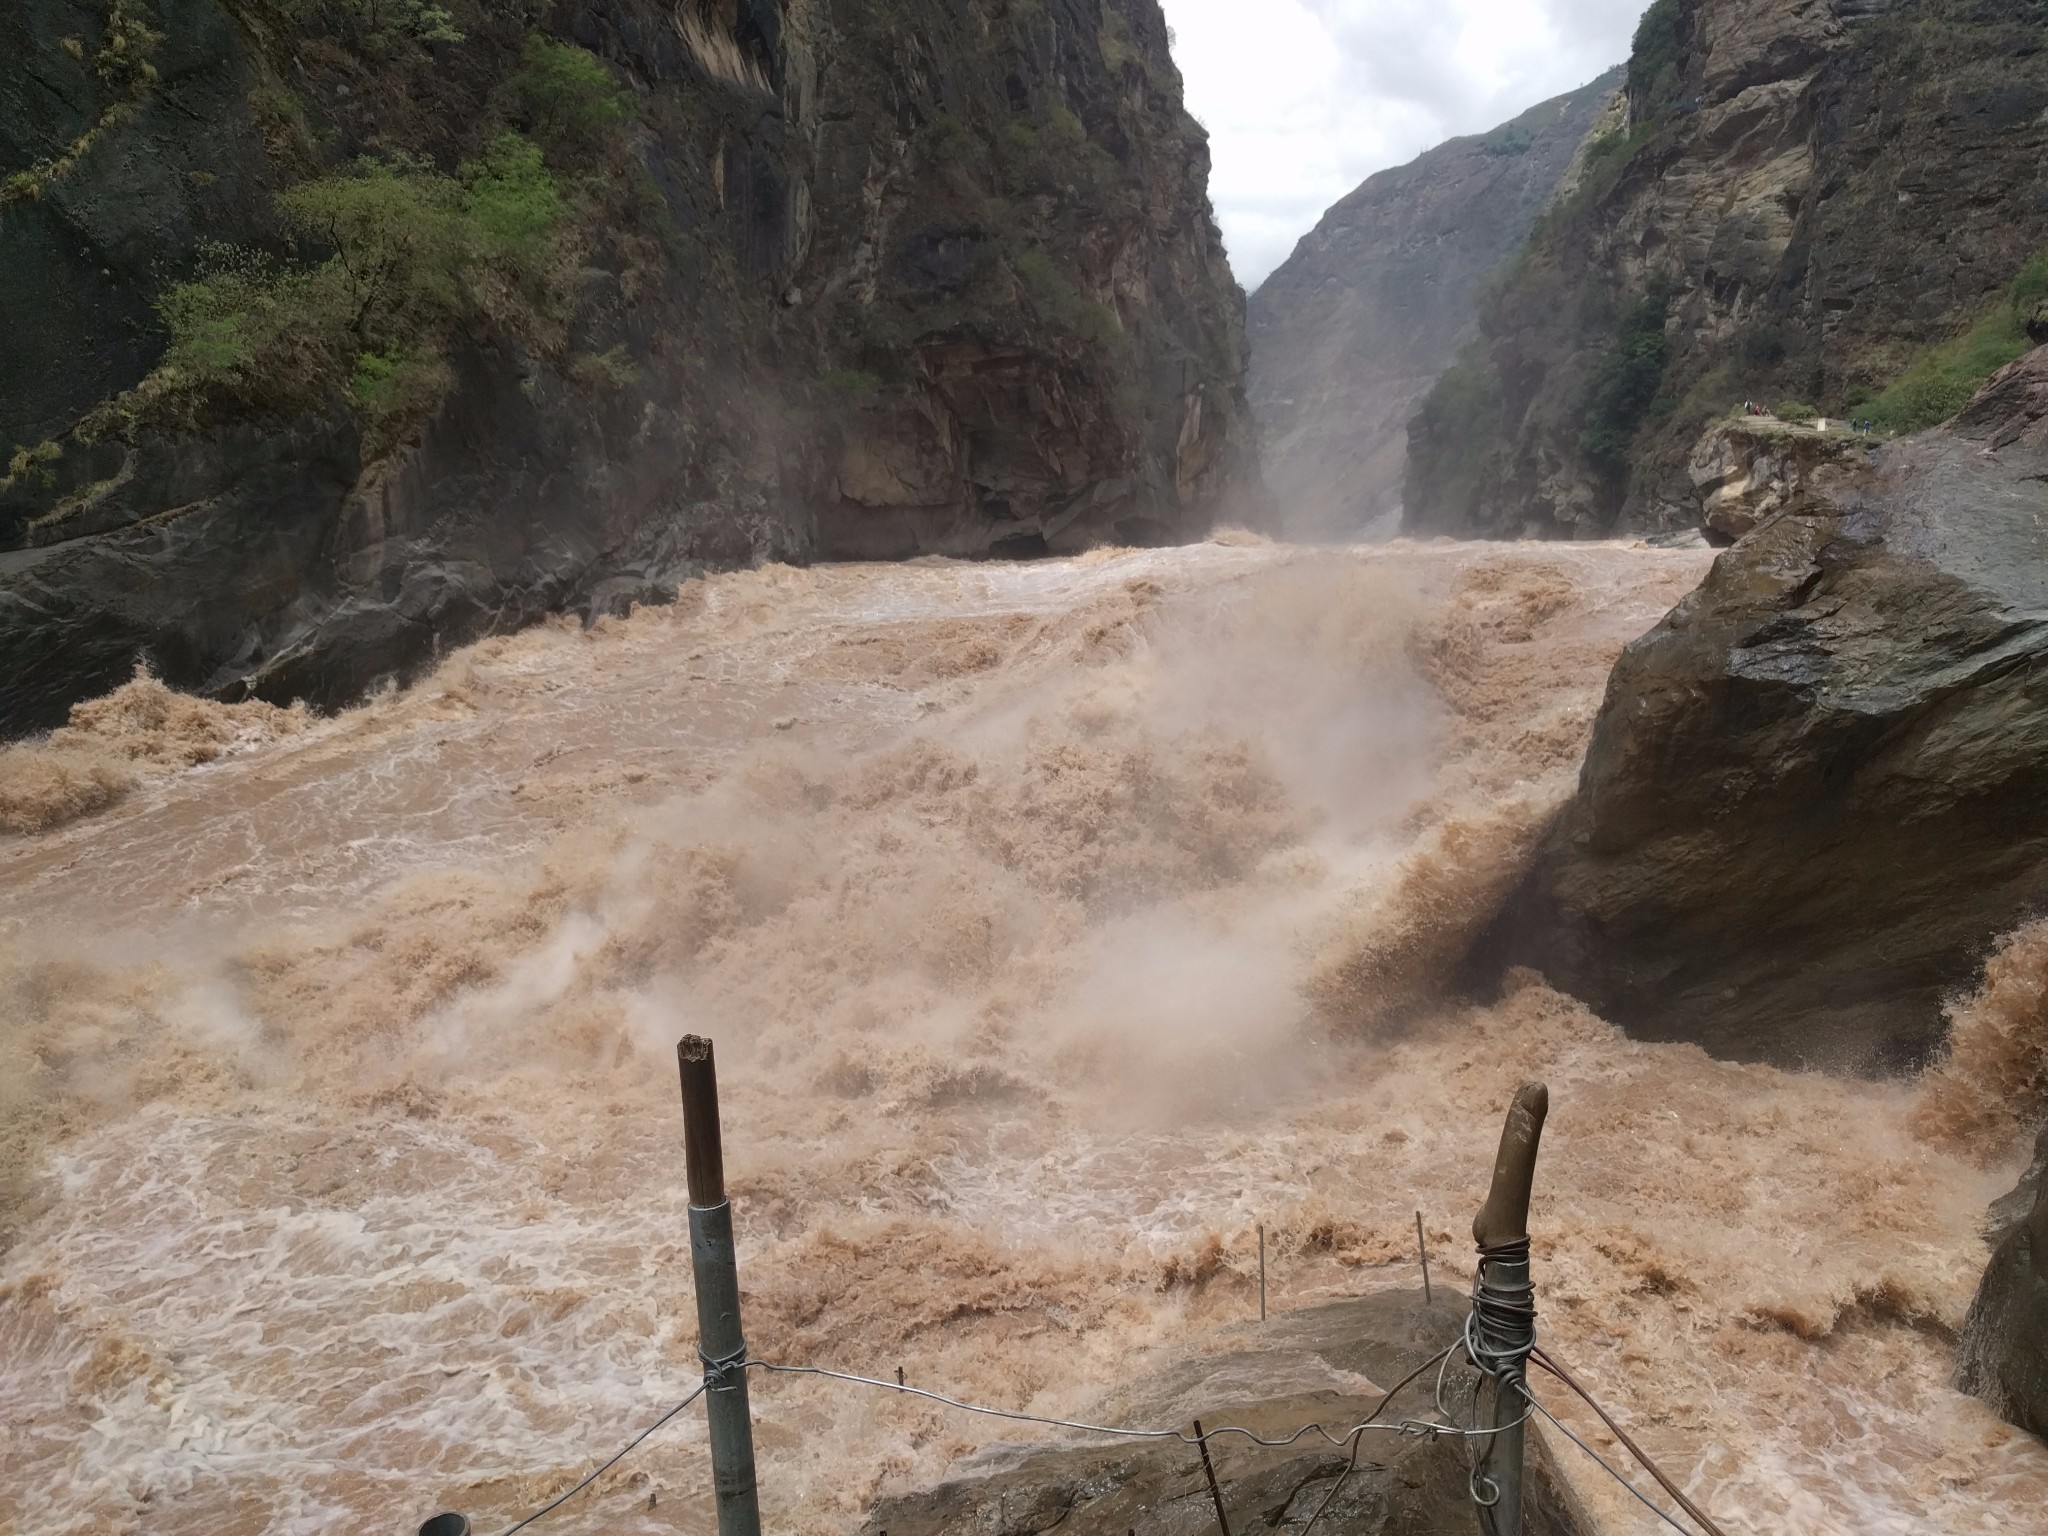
x,y
1326,1363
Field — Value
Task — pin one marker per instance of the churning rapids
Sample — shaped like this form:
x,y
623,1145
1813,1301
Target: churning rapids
x,y
1056,924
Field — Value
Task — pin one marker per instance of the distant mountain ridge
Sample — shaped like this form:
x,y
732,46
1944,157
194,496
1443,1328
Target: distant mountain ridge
x,y
1351,331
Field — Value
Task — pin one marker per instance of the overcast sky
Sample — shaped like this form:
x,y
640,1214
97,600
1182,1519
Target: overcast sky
x,y
1304,99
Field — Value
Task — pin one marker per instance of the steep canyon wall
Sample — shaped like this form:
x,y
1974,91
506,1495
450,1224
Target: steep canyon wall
x,y
1804,196
338,332
1353,328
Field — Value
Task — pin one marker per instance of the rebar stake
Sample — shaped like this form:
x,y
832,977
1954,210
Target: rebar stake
x,y
1262,1273
1209,1471
1422,1247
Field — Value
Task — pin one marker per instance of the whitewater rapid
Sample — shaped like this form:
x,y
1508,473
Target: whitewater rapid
x,y
1058,925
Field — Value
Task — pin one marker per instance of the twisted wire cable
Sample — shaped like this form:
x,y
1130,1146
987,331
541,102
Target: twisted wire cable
x,y
1499,1347
1358,1438
1551,1364
1412,1427
631,1445
1612,1471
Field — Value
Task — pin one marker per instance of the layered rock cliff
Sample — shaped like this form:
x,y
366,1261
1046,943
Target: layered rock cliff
x,y
1353,328
339,331
1805,197
1818,791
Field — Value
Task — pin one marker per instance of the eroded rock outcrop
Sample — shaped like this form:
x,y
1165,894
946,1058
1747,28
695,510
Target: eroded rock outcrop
x,y
1802,199
825,280
1353,328
2003,1356
1746,469
1819,789
1322,1364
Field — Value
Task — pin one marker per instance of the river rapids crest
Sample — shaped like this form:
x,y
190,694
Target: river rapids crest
x,y
1057,924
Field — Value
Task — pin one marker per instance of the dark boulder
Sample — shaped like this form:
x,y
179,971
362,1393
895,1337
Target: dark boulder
x,y
2013,1207
1279,1378
1819,789
2004,1351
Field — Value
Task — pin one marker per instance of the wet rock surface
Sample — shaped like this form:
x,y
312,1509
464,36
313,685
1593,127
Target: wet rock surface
x,y
2004,1352
1327,1364
1819,789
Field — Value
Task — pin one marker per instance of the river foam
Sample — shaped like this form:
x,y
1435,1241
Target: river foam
x,y
1058,925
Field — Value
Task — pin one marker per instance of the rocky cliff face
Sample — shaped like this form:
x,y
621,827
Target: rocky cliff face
x,y
1818,791
1352,330
338,331
1805,195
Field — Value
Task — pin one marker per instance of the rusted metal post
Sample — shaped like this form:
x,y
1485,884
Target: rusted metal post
x,y
1504,1309
1209,1471
1262,1272
721,1344
1422,1247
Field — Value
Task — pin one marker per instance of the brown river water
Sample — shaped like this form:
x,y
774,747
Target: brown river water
x,y
1057,924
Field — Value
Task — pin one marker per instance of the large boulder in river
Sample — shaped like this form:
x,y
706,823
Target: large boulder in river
x,y
1819,788
2004,1351
1326,1364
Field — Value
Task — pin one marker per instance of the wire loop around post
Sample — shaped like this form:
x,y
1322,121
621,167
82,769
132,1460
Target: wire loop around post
x,y
1500,1332
727,1372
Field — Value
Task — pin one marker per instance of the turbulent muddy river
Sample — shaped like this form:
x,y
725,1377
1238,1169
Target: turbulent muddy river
x,y
1057,924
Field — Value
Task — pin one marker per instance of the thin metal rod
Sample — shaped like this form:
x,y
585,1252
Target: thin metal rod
x,y
714,1262
1209,1471
1262,1273
1422,1247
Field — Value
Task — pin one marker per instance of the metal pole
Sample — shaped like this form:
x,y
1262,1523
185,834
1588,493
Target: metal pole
x,y
1262,1273
721,1345
1422,1247
1504,1309
1209,1471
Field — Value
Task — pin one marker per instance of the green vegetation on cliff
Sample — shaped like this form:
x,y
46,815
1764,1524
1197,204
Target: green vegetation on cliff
x,y
1624,390
413,258
1942,379
1653,61
390,263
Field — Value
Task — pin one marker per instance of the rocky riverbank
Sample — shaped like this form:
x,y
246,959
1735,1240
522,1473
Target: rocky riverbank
x,y
1812,801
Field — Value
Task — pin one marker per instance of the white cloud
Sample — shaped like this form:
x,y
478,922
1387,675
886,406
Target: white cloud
x,y
1304,99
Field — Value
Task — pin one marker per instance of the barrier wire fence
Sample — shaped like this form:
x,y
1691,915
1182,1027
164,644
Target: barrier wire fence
x,y
1443,1426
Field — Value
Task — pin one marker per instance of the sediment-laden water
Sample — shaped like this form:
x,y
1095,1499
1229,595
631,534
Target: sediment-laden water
x,y
1057,924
